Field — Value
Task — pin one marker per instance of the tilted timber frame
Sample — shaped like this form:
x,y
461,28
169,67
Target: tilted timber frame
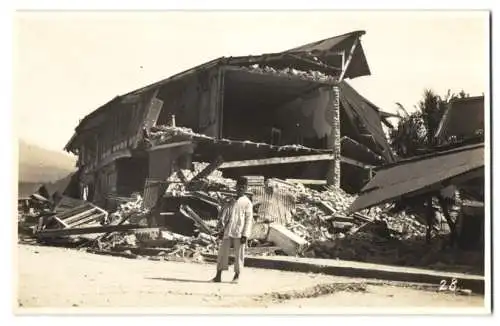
x,y
349,58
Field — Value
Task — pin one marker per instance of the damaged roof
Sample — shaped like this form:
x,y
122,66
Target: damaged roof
x,y
361,110
463,118
327,51
321,55
422,174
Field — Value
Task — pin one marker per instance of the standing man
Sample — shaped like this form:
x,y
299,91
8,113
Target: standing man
x,y
235,226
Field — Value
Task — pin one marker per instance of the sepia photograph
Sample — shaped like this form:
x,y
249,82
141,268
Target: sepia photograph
x,y
318,161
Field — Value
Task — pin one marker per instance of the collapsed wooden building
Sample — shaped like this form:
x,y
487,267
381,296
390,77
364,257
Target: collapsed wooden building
x,y
287,115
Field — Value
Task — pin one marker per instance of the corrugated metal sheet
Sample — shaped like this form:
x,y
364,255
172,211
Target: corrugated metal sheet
x,y
409,177
152,189
276,206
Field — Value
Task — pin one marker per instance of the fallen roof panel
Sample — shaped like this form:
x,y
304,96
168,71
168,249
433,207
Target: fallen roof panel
x,y
407,178
327,50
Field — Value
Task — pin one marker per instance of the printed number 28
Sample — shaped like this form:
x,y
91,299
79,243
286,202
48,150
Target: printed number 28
x,y
451,287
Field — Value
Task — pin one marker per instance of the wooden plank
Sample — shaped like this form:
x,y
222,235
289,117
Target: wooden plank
x,y
61,222
290,159
87,230
74,218
92,218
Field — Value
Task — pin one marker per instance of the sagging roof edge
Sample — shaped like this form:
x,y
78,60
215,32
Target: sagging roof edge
x,y
384,114
357,33
427,189
209,65
454,149
102,108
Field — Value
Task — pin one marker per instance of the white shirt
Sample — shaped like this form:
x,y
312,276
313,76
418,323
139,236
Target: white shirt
x,y
237,218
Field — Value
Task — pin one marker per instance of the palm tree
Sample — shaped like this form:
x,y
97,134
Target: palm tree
x,y
415,133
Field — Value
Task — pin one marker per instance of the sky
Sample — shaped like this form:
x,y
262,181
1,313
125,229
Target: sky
x,y
67,64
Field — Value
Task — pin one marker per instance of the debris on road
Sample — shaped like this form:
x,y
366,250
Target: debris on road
x,y
317,290
290,219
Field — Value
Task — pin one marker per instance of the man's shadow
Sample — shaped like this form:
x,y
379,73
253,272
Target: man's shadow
x,y
169,279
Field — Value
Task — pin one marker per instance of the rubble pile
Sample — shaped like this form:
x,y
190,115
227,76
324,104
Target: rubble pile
x,y
316,210
161,134
130,212
213,181
168,245
308,75
319,226
310,203
319,218
368,246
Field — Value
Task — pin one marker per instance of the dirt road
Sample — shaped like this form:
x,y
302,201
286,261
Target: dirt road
x,y
58,278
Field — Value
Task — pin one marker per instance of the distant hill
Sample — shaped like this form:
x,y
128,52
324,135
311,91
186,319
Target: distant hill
x,y
39,165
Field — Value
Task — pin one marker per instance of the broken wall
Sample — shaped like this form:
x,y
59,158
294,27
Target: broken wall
x,y
162,162
131,174
305,116
194,101
101,184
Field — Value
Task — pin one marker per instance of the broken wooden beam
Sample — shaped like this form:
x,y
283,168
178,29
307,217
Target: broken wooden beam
x,y
326,207
188,212
207,170
96,216
87,215
87,230
289,160
61,222
362,217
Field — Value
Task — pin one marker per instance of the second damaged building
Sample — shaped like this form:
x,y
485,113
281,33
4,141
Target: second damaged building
x,y
288,115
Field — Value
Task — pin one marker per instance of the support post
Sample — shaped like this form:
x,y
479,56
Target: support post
x,y
430,219
333,174
452,224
